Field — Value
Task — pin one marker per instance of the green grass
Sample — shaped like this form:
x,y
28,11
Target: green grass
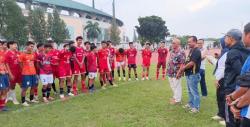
x,y
132,104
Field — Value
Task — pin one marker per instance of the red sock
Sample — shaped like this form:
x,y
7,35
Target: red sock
x,y
157,73
35,91
2,103
163,73
75,89
143,75
84,89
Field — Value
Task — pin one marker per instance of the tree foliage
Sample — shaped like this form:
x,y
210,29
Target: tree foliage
x,y
13,24
152,29
93,30
115,33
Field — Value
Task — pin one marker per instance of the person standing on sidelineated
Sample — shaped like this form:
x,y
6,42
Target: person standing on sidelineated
x,y
191,69
176,61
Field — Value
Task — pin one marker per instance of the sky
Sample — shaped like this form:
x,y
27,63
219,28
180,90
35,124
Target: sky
x,y
203,18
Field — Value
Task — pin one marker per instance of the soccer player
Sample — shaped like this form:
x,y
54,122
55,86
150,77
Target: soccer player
x,y
104,66
131,56
120,61
29,77
79,66
162,59
54,63
65,71
40,48
5,46
111,58
11,58
87,45
92,67
4,78
146,57
45,71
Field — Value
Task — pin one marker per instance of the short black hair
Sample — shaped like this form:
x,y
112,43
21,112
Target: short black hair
x,y
130,43
79,37
92,47
247,28
50,41
148,43
121,50
86,42
104,42
109,41
11,43
48,45
39,45
71,42
163,42
65,44
194,38
30,43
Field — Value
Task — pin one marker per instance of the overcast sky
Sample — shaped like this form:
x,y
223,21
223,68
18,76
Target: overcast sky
x,y
203,18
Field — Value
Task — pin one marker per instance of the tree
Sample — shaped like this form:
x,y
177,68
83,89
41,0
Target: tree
x,y
38,25
93,30
13,24
184,40
58,31
152,29
115,34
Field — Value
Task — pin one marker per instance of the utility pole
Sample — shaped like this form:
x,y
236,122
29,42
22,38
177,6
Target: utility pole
x,y
114,19
93,3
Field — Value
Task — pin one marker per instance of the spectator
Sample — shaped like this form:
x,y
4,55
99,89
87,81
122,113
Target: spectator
x,y
192,68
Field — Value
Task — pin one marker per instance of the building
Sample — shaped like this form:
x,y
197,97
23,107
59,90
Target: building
x,y
76,15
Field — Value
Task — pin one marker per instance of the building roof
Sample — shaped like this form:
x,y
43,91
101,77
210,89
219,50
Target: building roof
x,y
76,6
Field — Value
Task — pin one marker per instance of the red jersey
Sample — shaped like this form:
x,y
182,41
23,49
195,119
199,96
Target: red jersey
x,y
146,56
103,58
111,53
3,69
162,54
55,56
131,55
92,62
11,58
64,57
120,57
79,55
44,61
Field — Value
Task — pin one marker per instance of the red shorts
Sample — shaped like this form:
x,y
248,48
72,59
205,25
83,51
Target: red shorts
x,y
55,70
161,64
17,78
104,69
65,71
146,64
77,70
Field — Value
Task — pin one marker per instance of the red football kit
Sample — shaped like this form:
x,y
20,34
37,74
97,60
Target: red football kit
x,y
131,56
79,56
11,58
146,57
112,57
162,57
55,62
103,60
44,61
92,62
64,64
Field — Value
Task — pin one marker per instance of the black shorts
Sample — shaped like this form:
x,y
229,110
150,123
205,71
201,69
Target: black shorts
x,y
132,66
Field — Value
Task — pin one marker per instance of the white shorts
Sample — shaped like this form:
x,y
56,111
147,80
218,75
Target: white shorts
x,y
120,64
92,75
46,79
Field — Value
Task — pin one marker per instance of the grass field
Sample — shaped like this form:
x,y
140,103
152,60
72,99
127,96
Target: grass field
x,y
132,104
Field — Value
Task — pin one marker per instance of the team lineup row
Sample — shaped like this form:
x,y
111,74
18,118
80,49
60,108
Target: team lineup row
x,y
76,60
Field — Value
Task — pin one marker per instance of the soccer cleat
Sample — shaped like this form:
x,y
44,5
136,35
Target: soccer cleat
x,y
51,98
124,78
103,87
194,110
62,96
187,106
34,101
120,79
129,79
147,78
45,100
36,98
114,85
222,123
137,79
163,78
25,104
71,94
143,79
15,102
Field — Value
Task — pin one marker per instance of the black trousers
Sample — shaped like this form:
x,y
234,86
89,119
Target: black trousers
x,y
245,122
220,94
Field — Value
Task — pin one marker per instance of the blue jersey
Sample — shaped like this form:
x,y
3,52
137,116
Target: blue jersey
x,y
245,111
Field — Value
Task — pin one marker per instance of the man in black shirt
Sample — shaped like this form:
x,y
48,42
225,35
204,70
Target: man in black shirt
x,y
191,69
